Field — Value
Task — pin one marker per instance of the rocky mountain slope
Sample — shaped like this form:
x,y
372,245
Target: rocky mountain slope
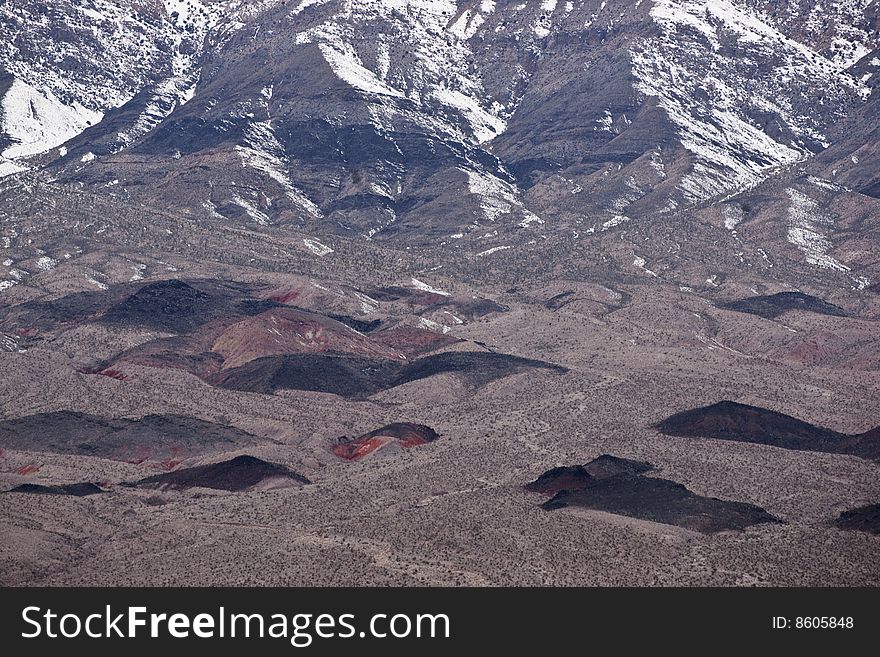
x,y
235,236
460,125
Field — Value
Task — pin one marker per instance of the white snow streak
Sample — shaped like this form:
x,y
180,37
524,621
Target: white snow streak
x,y
317,247
419,285
805,224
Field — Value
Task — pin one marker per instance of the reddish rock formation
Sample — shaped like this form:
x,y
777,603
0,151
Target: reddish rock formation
x,y
413,341
405,434
283,331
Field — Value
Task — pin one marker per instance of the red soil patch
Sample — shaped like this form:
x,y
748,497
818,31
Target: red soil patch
x,y
27,469
405,434
288,331
141,454
113,374
413,341
165,464
27,332
144,456
815,349
360,448
285,297
109,371
413,441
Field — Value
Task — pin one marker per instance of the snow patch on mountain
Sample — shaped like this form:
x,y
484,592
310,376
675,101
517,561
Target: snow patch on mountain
x,y
494,249
485,124
616,220
544,22
45,263
641,263
717,102
37,121
347,65
419,285
617,208
368,303
317,247
733,216
193,20
264,153
7,168
498,197
806,222
852,35
252,210
470,20
87,57
435,45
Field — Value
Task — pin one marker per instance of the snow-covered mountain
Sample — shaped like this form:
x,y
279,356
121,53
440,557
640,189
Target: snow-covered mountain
x,y
438,121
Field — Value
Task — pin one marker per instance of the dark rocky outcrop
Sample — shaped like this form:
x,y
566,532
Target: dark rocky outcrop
x,y
728,420
76,490
355,377
346,376
771,306
238,474
152,437
863,519
615,485
607,465
404,434
554,480
180,307
479,367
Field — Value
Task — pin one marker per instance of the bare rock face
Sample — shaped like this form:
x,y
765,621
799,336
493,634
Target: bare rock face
x,y
618,486
729,420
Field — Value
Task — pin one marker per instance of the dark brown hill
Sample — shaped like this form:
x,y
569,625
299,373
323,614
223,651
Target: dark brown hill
x,y
405,434
727,420
863,519
239,474
772,306
76,490
351,376
152,437
616,485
